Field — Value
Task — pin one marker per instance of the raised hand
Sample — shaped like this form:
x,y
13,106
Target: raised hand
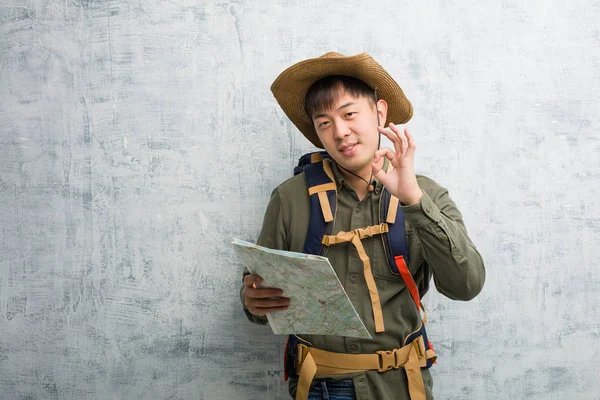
x,y
401,181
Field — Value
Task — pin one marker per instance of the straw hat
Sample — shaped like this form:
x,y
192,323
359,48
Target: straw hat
x,y
291,86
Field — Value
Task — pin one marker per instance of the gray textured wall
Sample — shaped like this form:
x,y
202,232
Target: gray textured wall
x,y
138,137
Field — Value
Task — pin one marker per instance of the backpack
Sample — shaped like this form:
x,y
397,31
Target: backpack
x,y
323,203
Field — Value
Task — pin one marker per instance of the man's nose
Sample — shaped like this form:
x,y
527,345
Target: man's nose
x,y
341,130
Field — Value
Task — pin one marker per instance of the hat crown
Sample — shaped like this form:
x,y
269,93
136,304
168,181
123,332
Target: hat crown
x,y
332,54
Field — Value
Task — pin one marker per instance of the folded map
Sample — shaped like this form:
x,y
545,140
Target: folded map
x,y
319,304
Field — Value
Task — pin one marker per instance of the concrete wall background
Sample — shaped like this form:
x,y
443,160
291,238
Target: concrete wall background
x,y
138,137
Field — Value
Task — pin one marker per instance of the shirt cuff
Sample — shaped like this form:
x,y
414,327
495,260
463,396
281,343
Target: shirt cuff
x,y
255,318
424,213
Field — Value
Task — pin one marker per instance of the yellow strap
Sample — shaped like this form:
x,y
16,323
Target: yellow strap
x,y
419,346
313,363
393,206
416,389
306,376
371,230
341,237
392,210
328,170
362,233
325,206
328,363
373,293
322,188
424,314
355,237
430,355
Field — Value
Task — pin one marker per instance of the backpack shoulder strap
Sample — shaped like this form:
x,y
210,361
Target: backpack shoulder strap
x,y
395,240
322,192
396,246
309,158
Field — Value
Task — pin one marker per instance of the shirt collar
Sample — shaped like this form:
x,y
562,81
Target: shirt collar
x,y
340,179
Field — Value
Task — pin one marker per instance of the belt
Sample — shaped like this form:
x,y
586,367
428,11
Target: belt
x,y
314,362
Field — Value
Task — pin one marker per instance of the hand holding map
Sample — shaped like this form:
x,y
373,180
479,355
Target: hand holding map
x,y
261,300
318,305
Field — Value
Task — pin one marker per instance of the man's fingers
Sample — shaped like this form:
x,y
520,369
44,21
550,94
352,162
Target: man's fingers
x,y
382,176
264,306
261,293
389,134
393,136
400,134
374,167
260,300
261,312
378,172
409,137
268,303
385,152
411,142
388,153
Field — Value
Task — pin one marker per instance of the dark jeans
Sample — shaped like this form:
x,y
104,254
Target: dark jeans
x,y
332,390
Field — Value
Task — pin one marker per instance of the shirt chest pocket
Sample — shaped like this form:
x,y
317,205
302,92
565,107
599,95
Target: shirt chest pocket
x,y
380,265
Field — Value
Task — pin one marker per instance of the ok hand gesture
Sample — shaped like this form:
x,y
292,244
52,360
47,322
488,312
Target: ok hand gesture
x,y
401,181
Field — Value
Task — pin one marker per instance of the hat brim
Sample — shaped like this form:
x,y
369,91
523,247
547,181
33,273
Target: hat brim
x,y
291,86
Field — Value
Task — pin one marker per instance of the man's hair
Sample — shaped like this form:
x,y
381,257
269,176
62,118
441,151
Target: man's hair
x,y
322,93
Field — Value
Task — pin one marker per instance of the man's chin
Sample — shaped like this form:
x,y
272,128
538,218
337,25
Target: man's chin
x,y
354,164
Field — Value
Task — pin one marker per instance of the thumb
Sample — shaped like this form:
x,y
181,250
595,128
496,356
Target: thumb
x,y
251,280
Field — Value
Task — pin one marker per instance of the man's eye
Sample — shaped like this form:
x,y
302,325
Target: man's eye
x,y
323,124
351,113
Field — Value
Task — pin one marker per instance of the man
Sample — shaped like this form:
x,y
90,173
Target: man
x,y
341,104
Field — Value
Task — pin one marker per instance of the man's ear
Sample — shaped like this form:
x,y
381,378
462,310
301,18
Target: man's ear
x,y
382,108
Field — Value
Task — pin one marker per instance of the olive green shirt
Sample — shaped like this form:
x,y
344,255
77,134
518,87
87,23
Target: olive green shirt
x,y
438,247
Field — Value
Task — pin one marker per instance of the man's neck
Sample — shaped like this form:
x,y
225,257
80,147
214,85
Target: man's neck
x,y
359,185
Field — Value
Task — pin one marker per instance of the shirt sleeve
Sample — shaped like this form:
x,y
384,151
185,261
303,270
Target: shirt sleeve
x,y
457,266
273,236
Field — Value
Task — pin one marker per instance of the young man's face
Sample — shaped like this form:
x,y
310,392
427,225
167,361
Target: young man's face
x,y
348,130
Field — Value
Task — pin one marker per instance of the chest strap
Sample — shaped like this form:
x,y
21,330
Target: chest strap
x,y
314,363
355,237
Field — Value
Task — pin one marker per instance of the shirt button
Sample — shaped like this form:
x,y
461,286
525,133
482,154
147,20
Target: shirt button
x,y
357,210
353,279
